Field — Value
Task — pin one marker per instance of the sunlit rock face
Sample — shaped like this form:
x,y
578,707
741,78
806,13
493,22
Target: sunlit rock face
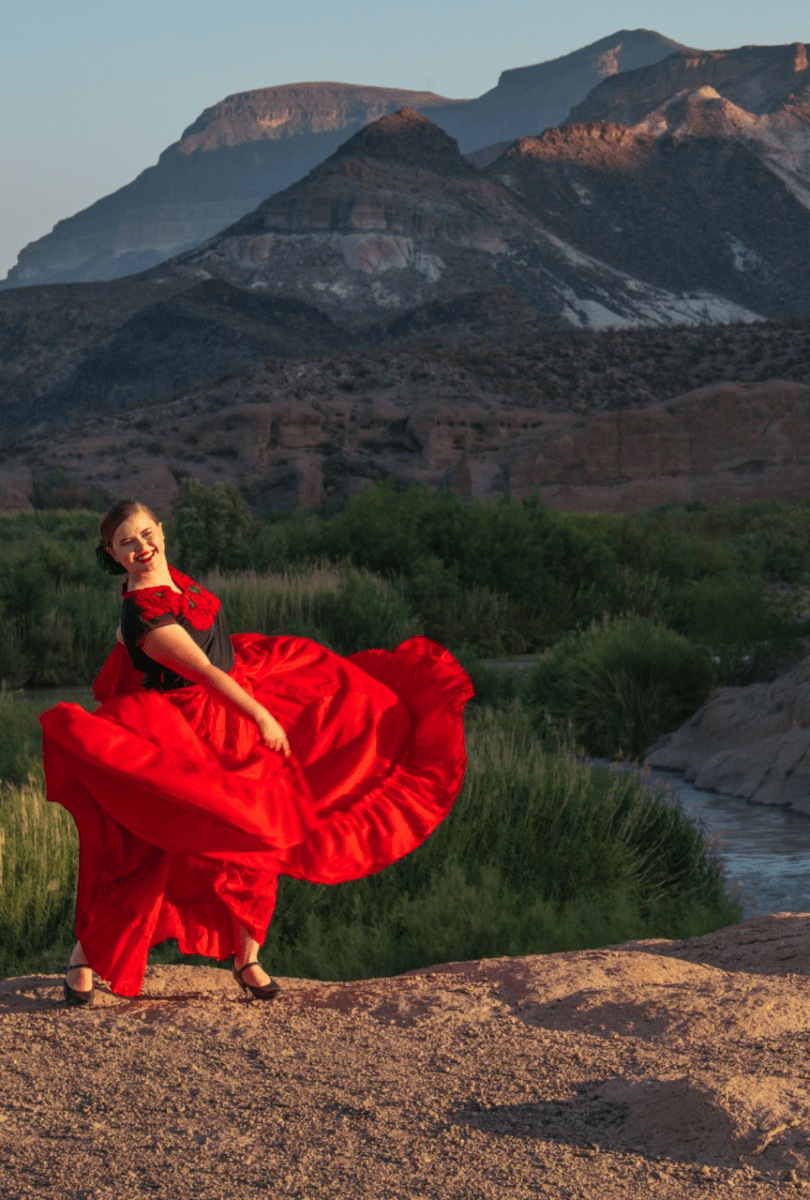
x,y
757,95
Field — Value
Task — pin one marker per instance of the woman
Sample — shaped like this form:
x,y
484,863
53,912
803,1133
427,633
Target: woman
x,y
214,764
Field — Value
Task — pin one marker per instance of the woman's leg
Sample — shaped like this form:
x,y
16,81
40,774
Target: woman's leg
x,y
80,981
248,953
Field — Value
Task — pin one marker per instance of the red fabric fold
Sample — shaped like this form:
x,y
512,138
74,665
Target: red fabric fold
x,y
185,818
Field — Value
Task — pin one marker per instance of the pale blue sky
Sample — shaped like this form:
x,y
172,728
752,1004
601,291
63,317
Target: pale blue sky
x,y
95,89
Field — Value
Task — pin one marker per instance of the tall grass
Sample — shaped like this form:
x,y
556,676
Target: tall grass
x,y
339,606
540,853
39,855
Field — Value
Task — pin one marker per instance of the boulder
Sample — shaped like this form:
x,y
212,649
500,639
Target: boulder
x,y
752,742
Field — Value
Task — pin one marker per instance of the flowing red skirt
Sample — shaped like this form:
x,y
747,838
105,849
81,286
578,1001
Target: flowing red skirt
x,y
185,819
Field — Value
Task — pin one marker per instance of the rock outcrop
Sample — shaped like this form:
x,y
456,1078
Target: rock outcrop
x,y
673,1070
286,445
253,144
752,742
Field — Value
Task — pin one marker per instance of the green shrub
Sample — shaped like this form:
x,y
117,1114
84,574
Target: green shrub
x,y
20,740
339,606
619,685
736,622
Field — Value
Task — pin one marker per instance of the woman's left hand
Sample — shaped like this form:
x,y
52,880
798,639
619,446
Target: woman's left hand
x,y
272,733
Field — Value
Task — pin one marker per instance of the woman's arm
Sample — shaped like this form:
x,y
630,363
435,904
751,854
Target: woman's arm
x,y
172,647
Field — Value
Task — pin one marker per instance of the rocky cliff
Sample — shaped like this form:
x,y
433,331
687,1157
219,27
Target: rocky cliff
x,y
300,435
756,95
752,742
253,144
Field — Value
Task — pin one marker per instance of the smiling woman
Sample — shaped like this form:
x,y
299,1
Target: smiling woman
x,y
214,764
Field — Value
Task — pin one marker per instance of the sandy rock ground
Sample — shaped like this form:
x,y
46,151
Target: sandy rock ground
x,y
653,1069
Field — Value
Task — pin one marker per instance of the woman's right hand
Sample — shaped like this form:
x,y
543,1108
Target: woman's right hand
x,y
272,733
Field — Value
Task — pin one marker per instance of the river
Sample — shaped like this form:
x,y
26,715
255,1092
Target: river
x,y
765,851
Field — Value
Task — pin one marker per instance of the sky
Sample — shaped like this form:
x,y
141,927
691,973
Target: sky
x,y
94,90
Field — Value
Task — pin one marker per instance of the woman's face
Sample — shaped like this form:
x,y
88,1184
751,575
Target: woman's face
x,y
138,545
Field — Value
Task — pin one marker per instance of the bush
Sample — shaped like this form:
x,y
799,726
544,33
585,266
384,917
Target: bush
x,y
736,623
20,740
340,607
619,686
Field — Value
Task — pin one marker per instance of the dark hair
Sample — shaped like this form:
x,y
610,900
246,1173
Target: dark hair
x,y
115,517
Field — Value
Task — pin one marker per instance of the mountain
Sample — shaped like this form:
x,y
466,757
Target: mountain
x,y
396,218
756,95
396,236
702,214
254,144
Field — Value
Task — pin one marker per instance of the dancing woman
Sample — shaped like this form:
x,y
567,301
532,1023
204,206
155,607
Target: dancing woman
x,y
215,763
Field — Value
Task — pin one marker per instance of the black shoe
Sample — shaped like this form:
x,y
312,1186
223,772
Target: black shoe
x,y
267,991
73,998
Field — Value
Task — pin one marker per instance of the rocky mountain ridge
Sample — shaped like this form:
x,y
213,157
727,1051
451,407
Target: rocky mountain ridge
x,y
686,214
396,218
758,96
253,144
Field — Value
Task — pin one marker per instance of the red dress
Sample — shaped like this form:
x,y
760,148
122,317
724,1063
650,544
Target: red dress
x,y
185,818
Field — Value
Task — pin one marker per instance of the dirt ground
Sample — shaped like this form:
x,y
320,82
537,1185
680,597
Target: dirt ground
x,y
654,1069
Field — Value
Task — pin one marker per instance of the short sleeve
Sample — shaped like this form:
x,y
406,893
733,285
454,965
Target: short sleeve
x,y
138,619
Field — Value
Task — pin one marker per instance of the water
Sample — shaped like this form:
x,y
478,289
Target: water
x,y
765,851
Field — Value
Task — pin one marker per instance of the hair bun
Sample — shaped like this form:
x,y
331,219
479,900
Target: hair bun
x,y
107,562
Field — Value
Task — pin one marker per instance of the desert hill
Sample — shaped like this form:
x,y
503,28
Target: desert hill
x,y
662,1069
253,144
756,95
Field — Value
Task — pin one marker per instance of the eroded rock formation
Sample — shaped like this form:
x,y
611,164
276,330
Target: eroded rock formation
x,y
302,445
756,95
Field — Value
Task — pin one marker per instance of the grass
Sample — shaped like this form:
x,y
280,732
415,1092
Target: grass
x,y
39,855
541,853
